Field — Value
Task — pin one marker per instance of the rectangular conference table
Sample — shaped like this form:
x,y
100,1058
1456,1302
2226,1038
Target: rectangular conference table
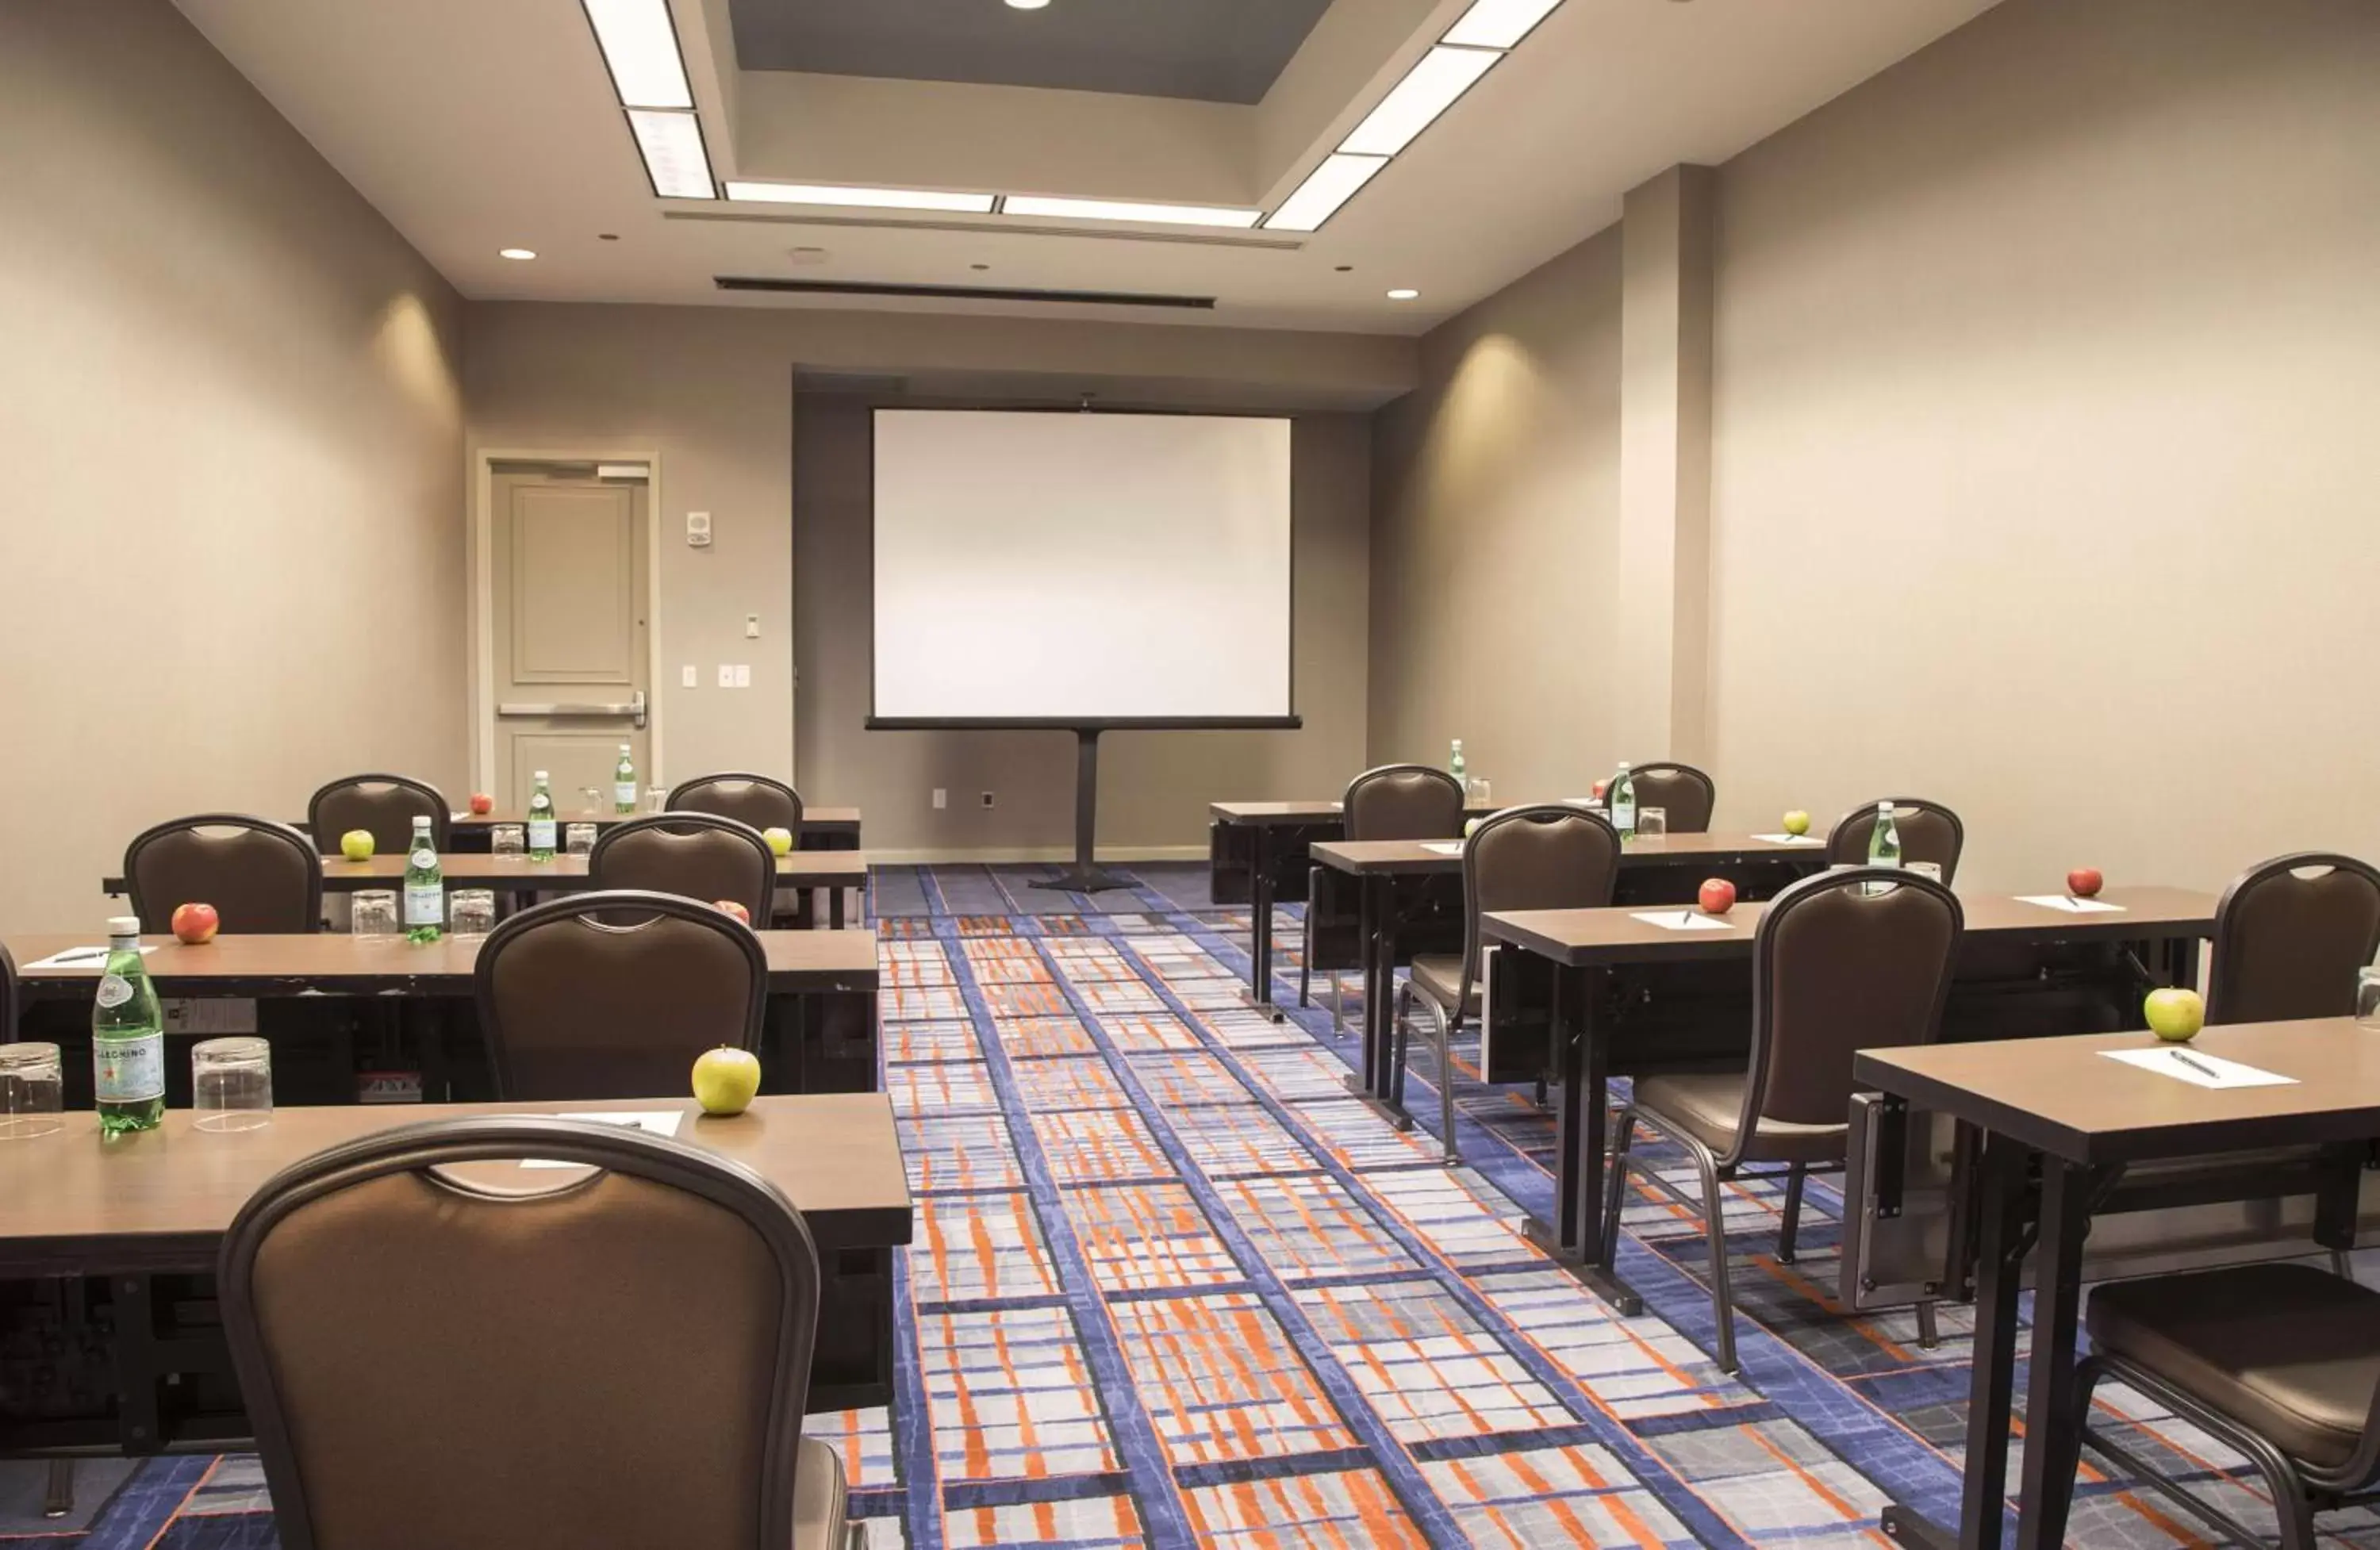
x,y
2061,1106
157,1205
824,829
1583,945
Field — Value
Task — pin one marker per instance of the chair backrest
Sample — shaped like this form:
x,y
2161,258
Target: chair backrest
x,y
1836,969
759,800
613,995
261,876
1549,857
699,855
2287,946
385,804
7,996
1929,832
1684,794
1403,802
620,1359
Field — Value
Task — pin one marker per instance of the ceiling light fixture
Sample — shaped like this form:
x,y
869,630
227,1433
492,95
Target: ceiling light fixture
x,y
672,146
1324,189
641,49
1124,210
871,199
1429,89
522,253
1498,23
1403,294
1027,5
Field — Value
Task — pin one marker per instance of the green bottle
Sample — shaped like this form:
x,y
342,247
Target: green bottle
x,y
425,887
1621,800
1884,840
541,819
624,784
127,1037
1455,766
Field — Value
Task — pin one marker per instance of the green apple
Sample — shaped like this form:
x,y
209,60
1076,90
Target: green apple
x,y
1797,822
2175,1015
725,1078
780,840
1472,827
356,845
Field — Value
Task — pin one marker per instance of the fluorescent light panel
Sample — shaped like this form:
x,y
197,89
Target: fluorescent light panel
x,y
640,48
672,146
1122,210
1324,189
1498,23
1429,89
872,198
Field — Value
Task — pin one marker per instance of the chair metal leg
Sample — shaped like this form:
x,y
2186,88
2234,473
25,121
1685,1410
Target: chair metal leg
x,y
1541,1091
1306,976
1337,1007
1401,1040
1929,1329
1791,1223
1623,1135
1443,1027
57,1492
2342,1264
1715,1232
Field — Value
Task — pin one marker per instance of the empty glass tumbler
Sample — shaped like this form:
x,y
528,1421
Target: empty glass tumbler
x,y
471,912
2367,997
32,1091
231,1083
373,913
507,839
579,839
1652,822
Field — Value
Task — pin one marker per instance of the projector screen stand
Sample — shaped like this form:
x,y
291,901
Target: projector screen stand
x,y
1083,876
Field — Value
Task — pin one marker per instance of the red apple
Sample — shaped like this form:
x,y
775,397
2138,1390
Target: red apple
x,y
1718,896
732,907
2084,881
482,804
1598,792
196,924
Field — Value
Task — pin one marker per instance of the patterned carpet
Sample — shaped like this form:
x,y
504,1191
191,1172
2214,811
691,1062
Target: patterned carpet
x,y
1172,1286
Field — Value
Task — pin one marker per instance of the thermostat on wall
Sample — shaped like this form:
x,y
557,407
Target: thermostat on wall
x,y
698,529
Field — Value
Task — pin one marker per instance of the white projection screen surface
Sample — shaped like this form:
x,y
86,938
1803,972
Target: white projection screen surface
x,y
1068,568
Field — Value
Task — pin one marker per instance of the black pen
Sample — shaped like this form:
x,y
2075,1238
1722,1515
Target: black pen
x,y
2200,1067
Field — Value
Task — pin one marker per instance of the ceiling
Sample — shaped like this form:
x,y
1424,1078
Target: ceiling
x,y
476,126
1215,50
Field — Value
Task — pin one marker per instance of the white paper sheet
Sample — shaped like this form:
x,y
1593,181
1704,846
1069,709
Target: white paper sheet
x,y
2168,1061
91,958
1789,839
1682,920
2070,905
1442,847
654,1121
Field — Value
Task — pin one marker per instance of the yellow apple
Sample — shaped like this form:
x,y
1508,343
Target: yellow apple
x,y
2175,1015
356,845
1797,822
725,1078
780,840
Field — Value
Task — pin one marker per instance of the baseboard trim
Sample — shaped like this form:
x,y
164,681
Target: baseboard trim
x,y
1012,854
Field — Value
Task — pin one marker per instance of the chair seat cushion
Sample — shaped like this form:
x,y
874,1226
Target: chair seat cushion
x,y
1707,1105
819,1496
1439,977
2289,1352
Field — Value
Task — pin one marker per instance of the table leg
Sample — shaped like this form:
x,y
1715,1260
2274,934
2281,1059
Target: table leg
x,y
1554,1237
835,909
1581,1141
1261,913
2053,1433
1377,934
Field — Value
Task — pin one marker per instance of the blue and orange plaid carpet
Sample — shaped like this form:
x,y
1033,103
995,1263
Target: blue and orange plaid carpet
x,y
1172,1286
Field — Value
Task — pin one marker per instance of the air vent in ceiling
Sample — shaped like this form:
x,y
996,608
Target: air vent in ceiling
x,y
960,293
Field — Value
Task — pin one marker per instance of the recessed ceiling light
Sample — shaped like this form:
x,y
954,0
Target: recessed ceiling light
x,y
641,49
1027,5
1498,23
671,144
1125,209
1402,293
1324,189
523,253
1429,89
872,198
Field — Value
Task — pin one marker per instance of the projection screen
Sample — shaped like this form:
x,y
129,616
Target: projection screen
x,y
1066,569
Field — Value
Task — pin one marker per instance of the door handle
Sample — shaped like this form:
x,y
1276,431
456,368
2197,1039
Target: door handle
x,y
635,710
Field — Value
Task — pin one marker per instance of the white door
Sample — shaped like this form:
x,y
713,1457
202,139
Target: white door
x,y
568,633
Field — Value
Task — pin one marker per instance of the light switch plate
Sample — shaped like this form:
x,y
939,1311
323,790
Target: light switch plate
x,y
690,677
727,675
698,529
743,675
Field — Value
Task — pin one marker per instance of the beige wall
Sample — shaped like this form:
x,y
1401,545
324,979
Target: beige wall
x,y
1496,534
1153,787
232,540
2045,478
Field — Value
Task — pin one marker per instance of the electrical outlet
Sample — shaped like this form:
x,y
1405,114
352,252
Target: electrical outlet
x,y
689,676
941,798
743,675
727,675
987,800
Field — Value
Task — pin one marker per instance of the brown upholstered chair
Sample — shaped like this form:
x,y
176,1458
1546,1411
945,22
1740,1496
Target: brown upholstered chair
x,y
1390,802
620,1357
1551,857
2278,1362
2289,935
261,876
385,804
7,996
698,855
1929,832
1684,794
613,995
759,800
1835,969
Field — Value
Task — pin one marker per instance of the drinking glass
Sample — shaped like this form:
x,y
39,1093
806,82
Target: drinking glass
x,y
1928,869
32,1091
507,839
231,1083
1478,790
594,795
2367,997
577,838
471,912
373,914
656,799
1652,822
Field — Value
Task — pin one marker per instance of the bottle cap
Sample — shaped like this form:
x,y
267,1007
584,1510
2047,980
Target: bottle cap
x,y
124,925
541,775
1623,763
421,822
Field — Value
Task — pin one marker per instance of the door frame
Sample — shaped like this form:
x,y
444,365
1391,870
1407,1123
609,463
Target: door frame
x,y
479,561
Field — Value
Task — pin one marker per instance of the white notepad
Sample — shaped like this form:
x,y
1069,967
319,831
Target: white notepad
x,y
1789,839
91,958
2070,905
2167,1060
1682,920
1442,847
655,1121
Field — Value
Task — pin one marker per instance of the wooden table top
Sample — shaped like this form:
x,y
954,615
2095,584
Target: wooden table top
x,y
2061,1095
562,874
163,1198
1402,856
1579,938
798,961
826,820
